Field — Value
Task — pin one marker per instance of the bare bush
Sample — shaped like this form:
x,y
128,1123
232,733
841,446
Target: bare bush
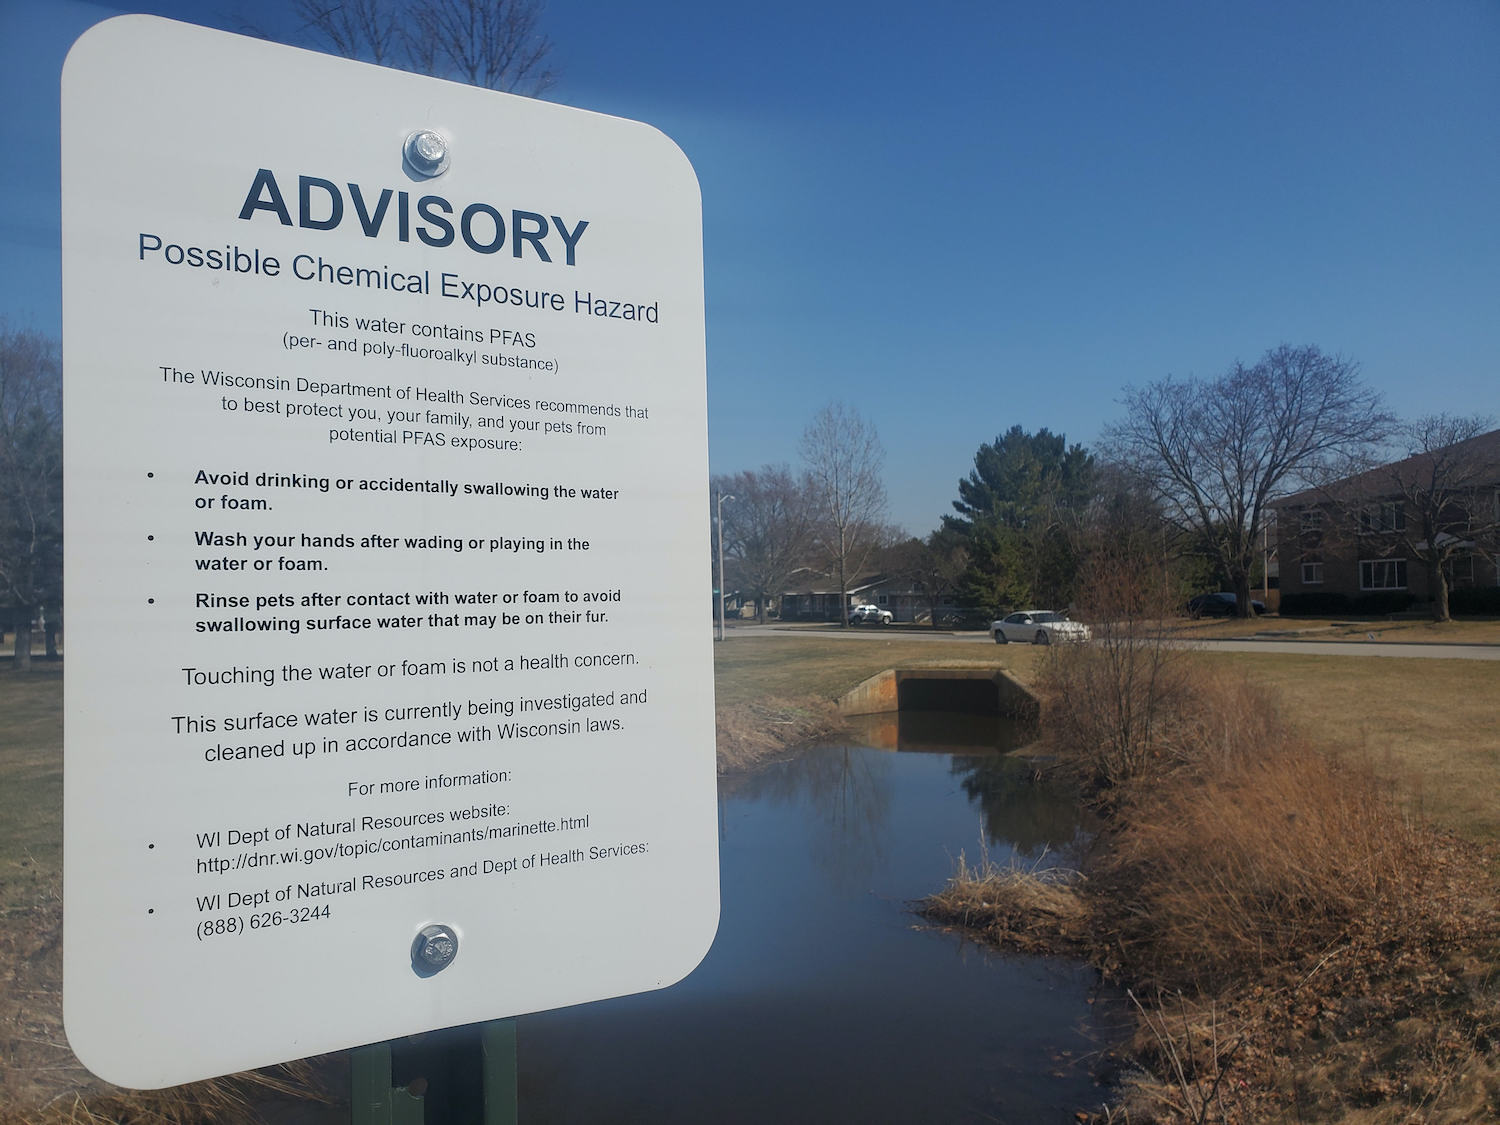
x,y
1104,705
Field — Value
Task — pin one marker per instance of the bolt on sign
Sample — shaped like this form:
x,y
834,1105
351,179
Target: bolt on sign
x,y
389,703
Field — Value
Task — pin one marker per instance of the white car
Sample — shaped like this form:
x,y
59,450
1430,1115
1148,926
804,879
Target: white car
x,y
1038,626
870,615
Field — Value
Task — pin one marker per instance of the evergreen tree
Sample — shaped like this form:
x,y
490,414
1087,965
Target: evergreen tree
x,y
1015,510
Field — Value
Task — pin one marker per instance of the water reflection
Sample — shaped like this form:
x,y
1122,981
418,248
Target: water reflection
x,y
849,795
1021,811
824,998
940,731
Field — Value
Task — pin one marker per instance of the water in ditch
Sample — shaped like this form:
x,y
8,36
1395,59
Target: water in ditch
x,y
824,999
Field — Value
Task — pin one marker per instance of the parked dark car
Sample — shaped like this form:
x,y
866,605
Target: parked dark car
x,y
1220,605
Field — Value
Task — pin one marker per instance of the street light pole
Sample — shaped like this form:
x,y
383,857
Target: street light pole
x,y
719,526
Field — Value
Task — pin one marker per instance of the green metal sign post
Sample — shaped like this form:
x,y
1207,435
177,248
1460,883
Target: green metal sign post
x,y
393,1082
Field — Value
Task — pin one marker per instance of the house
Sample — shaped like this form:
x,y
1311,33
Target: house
x,y
819,601
1405,532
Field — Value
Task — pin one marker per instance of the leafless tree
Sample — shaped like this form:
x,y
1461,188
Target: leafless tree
x,y
1437,505
370,30
767,530
934,566
497,44
30,480
1213,453
843,458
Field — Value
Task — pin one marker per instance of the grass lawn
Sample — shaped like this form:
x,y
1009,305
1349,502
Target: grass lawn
x,y
792,665
31,792
1433,726
1466,632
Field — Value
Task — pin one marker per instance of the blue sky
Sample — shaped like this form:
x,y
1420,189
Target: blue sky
x,y
963,216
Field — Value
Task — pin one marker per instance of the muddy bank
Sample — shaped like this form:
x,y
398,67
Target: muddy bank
x,y
748,734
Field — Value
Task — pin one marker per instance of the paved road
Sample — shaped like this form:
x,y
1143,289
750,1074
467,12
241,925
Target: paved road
x,y
1302,648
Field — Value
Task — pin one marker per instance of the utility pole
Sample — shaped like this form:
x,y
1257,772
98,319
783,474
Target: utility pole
x,y
719,527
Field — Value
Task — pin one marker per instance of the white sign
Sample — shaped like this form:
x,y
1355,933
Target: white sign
x,y
386,482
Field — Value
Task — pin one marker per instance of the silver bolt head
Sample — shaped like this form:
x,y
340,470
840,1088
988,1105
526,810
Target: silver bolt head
x,y
435,948
426,153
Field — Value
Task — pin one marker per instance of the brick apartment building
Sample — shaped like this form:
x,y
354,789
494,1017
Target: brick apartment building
x,y
1366,539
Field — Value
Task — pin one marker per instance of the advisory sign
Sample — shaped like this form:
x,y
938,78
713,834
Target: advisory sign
x,y
389,699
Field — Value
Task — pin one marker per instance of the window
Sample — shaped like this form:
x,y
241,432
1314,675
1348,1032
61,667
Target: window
x,y
1383,519
1312,574
1310,520
1382,574
1459,570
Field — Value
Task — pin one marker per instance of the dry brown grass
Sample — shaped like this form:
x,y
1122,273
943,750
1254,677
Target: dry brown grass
x,y
1468,631
1031,909
1302,947
1253,860
748,734
43,1083
793,666
1116,713
1429,726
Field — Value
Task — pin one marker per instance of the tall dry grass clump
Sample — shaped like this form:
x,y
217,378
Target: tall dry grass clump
x,y
1302,949
1033,909
1255,860
1232,842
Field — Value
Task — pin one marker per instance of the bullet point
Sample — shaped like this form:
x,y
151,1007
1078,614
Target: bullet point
x,y
150,601
150,846
150,910
150,537
150,474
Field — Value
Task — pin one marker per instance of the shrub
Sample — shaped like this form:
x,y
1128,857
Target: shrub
x,y
1474,600
1130,709
1385,601
1316,603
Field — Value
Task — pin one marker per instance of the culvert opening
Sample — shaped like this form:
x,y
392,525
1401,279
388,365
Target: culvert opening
x,y
954,691
966,696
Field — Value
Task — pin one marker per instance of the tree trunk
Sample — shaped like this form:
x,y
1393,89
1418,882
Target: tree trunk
x,y
23,641
1437,583
843,596
1242,606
